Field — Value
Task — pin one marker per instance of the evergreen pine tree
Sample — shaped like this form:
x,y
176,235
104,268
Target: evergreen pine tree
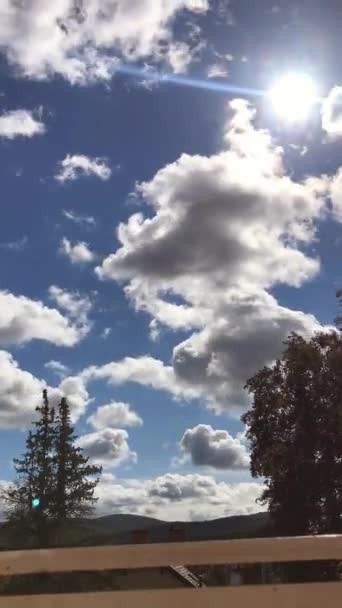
x,y
28,500
18,498
73,496
43,476
52,484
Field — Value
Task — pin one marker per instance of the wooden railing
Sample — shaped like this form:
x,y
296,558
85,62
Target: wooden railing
x,y
272,550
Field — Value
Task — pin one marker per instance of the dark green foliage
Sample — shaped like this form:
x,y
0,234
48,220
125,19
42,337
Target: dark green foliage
x,y
34,478
73,495
54,471
295,433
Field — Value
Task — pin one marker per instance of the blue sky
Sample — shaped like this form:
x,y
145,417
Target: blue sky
x,y
158,241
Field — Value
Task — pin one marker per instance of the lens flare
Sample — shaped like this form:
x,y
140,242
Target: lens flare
x,y
186,81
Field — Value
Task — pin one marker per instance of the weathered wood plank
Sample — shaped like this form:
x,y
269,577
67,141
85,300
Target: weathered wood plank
x,y
153,555
313,595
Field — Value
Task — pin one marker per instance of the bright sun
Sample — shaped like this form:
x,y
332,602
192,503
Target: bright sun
x,y
293,96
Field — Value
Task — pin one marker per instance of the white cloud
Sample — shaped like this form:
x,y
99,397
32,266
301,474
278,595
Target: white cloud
x,y
106,332
16,246
336,196
57,367
179,57
76,305
223,231
225,56
84,43
217,70
77,253
21,392
152,79
176,497
77,218
114,415
214,363
142,370
332,113
214,448
154,330
20,123
248,333
74,389
107,447
78,165
23,320
210,220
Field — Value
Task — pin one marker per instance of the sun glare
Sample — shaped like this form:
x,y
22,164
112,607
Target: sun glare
x,y
293,97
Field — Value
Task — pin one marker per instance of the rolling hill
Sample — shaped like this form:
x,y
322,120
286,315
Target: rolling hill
x,y
118,529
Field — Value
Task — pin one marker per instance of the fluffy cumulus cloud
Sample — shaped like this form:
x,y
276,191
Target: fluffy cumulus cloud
x,y
75,166
84,41
115,414
20,123
214,363
21,392
177,497
77,253
107,447
332,113
224,230
214,224
214,448
145,371
74,389
23,320
248,335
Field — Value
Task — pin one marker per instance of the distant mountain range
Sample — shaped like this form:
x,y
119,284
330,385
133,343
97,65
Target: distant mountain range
x,y
125,529
119,529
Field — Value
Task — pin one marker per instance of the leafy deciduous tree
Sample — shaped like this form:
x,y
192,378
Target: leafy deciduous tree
x,y
295,433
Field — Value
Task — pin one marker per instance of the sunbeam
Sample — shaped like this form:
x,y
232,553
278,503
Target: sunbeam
x,y
185,81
